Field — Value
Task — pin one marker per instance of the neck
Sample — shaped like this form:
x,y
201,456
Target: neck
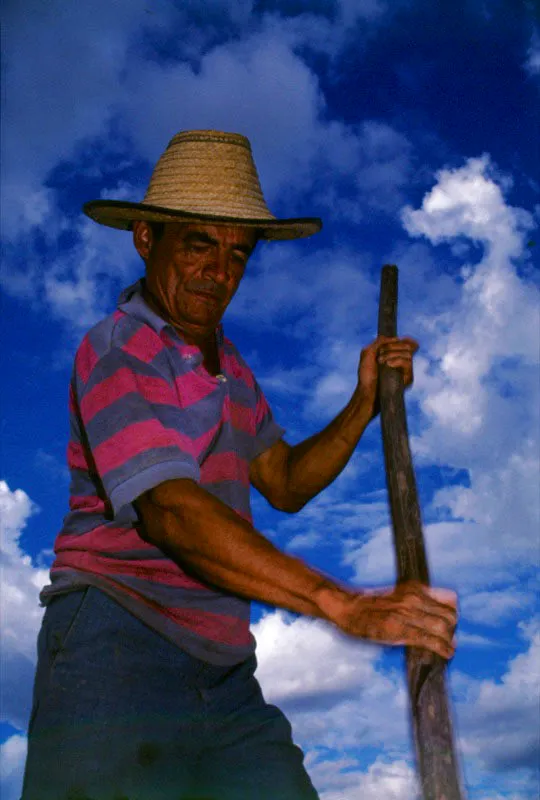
x,y
191,334
205,340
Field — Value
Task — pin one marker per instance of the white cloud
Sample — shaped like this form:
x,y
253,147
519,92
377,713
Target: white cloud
x,y
21,614
336,694
79,285
261,86
477,383
532,63
330,685
389,780
495,607
468,202
12,760
305,658
52,123
256,82
323,289
500,717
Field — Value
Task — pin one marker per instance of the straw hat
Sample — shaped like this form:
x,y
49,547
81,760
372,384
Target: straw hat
x,y
204,176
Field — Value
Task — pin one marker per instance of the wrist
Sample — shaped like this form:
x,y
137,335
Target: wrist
x,y
331,601
363,403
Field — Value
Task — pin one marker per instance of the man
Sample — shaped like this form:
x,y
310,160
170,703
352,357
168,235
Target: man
x,y
145,687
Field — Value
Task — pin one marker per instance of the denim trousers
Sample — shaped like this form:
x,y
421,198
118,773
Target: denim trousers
x,y
121,713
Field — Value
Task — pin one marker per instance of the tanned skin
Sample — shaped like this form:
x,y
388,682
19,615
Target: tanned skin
x,y
192,273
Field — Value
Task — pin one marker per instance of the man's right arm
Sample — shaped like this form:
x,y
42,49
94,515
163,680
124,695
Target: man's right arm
x,y
207,538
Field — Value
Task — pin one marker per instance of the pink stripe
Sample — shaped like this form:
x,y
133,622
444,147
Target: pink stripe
x,y
85,360
242,418
125,381
76,456
90,503
191,388
104,539
218,627
137,438
144,344
225,467
162,571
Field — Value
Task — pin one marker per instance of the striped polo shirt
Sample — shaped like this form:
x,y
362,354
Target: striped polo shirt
x,y
143,410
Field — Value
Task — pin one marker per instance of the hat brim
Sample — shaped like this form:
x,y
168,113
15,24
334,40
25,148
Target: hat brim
x,y
121,214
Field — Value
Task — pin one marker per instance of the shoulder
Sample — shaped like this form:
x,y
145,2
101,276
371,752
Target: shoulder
x,y
118,336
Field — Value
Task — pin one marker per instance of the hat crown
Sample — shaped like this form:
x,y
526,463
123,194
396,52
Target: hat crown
x,y
208,177
208,172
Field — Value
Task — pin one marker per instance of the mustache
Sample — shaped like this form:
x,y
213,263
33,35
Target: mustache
x,y
208,287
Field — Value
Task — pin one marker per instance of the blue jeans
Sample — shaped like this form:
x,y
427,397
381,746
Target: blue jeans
x,y
120,713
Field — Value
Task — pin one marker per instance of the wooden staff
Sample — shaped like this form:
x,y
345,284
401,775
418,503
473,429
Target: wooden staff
x,y
432,727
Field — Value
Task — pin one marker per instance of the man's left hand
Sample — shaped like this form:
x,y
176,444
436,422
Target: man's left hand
x,y
396,352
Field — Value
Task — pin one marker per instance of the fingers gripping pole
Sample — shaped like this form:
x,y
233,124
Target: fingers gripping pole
x,y
430,713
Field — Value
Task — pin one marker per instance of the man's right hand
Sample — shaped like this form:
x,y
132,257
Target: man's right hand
x,y
410,614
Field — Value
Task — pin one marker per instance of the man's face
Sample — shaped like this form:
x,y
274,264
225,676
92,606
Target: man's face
x,y
193,271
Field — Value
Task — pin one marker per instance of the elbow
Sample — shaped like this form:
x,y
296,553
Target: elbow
x,y
161,511
290,503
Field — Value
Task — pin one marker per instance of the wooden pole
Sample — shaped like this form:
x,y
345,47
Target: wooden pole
x,y
430,712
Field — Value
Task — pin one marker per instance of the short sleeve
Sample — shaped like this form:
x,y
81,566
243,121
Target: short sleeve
x,y
267,431
132,431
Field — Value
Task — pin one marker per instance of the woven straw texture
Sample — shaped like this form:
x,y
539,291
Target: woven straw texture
x,y
206,175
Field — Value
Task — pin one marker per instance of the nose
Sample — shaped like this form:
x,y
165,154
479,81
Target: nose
x,y
217,265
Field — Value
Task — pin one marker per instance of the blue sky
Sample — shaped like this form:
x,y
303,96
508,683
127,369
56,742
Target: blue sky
x,y
411,128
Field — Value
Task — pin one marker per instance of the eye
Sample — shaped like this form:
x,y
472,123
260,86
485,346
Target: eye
x,y
197,247
239,258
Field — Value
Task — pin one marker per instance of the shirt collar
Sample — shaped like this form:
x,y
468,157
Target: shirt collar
x,y
132,302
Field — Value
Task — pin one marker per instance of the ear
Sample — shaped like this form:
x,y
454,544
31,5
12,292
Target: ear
x,y
142,238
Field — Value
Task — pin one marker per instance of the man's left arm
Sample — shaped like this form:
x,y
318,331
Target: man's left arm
x,y
289,476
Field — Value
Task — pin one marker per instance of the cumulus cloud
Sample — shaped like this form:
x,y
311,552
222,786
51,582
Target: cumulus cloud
x,y
318,662
332,686
495,607
12,760
337,693
500,717
21,615
117,122
205,84
478,387
392,780
296,146
51,124
76,285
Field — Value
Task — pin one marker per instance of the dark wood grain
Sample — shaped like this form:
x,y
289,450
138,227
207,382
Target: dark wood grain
x,y
426,672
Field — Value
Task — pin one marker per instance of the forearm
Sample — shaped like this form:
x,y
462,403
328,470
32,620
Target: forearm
x,y
317,461
207,538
